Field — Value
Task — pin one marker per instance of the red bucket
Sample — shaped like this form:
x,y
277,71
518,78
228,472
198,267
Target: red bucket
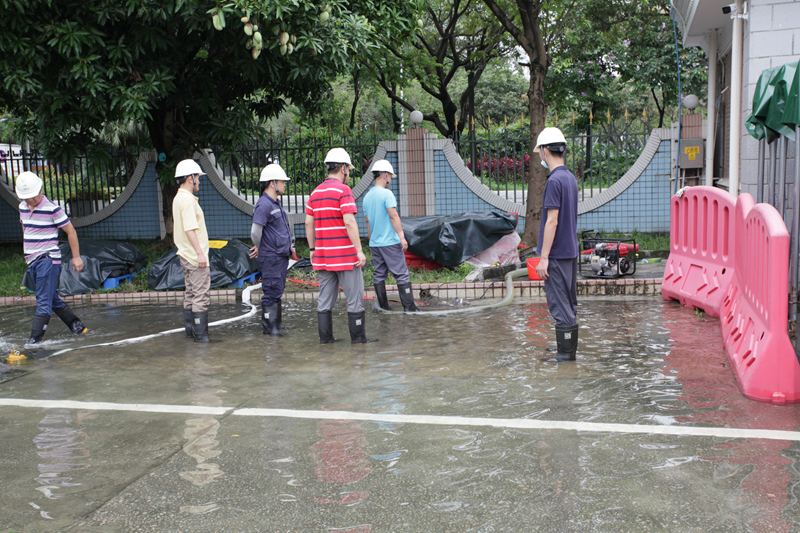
x,y
533,262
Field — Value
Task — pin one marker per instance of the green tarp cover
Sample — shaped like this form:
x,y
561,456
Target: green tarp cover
x,y
776,103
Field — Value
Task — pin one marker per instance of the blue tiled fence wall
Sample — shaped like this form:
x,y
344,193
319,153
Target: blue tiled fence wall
x,y
642,206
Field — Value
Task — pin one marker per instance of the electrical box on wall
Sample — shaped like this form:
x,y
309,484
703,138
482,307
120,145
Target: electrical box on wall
x,y
692,153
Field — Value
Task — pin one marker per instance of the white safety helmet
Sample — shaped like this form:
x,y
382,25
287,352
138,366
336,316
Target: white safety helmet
x,y
28,185
338,155
188,167
382,165
273,172
549,136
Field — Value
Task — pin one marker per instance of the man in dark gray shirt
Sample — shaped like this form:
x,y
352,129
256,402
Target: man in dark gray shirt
x,y
558,242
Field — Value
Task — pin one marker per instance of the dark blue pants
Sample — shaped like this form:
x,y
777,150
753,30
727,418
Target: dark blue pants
x,y
45,278
561,289
273,278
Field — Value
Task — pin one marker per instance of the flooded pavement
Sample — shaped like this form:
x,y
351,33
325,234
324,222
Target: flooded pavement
x,y
450,423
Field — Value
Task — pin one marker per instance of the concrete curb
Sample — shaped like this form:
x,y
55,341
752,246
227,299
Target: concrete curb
x,y
484,289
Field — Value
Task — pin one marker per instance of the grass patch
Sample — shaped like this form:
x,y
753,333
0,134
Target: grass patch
x,y
12,265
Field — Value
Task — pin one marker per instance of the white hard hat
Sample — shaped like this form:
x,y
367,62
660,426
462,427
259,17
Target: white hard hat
x,y
382,165
338,155
273,172
28,185
549,136
188,167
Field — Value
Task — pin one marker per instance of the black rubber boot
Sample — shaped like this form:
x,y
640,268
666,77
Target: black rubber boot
x,y
39,327
269,320
73,322
407,298
358,328
187,323
381,300
281,327
200,327
325,323
567,343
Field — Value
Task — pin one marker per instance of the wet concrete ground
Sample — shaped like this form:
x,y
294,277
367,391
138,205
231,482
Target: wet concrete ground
x,y
448,424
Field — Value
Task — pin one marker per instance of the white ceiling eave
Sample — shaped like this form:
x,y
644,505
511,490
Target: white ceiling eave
x,y
697,18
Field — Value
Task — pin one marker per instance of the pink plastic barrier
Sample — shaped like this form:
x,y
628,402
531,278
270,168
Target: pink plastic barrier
x,y
702,244
756,305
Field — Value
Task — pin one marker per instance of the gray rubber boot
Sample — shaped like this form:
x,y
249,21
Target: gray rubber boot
x,y
269,320
39,327
325,323
73,322
187,323
381,300
407,298
358,328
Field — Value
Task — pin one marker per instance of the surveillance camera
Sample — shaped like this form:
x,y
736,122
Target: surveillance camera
x,y
730,8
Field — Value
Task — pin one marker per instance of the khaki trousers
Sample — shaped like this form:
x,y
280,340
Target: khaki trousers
x,y
198,287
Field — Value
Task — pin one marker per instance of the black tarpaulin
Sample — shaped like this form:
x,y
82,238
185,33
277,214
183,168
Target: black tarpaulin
x,y
450,240
229,263
101,260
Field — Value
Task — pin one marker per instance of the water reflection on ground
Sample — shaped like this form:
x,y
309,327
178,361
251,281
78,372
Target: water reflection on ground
x,y
640,361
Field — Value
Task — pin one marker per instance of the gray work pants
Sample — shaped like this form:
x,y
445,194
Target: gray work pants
x,y
351,281
387,259
561,288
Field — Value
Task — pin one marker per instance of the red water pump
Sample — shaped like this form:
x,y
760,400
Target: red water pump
x,y
608,258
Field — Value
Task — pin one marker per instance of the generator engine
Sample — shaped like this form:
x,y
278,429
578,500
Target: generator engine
x,y
608,259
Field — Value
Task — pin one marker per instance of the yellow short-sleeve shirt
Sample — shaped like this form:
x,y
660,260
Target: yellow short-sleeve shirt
x,y
187,216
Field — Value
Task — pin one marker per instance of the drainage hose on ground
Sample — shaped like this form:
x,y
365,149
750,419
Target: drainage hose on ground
x,y
509,297
245,300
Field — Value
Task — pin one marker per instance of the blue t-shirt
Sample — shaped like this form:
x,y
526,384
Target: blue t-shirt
x,y
376,203
276,239
561,192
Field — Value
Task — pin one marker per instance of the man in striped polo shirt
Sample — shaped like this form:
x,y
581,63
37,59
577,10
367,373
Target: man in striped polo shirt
x,y
41,219
335,245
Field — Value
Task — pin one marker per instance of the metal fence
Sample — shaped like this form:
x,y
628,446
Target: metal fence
x,y
81,186
771,187
597,160
302,159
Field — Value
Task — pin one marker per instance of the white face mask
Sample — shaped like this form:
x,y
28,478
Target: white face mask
x,y
544,163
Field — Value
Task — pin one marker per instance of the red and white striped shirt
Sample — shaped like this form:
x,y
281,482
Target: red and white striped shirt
x,y
327,204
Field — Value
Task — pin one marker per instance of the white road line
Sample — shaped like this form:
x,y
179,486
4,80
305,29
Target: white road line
x,y
108,406
513,423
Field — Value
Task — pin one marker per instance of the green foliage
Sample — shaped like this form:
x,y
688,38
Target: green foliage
x,y
72,70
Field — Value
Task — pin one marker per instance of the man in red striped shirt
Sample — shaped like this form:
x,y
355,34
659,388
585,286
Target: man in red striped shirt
x,y
332,233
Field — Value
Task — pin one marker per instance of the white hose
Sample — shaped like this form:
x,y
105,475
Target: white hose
x,y
245,299
509,297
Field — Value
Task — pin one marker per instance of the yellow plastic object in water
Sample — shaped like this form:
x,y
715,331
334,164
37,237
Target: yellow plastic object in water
x,y
15,358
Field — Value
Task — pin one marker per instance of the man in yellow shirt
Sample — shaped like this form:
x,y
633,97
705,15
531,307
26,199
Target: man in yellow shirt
x,y
191,238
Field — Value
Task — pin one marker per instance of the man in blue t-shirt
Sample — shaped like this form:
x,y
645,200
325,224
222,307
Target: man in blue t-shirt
x,y
558,242
387,241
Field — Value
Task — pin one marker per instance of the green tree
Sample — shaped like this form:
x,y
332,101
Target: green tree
x,y
454,36
73,67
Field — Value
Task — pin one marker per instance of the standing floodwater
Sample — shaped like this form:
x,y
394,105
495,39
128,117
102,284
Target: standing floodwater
x,y
257,433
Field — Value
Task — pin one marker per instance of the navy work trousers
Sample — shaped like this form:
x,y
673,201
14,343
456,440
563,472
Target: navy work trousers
x,y
273,278
561,289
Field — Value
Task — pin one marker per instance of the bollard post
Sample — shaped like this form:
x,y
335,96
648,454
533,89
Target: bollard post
x,y
761,159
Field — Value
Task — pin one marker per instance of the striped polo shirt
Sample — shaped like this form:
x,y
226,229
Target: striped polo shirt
x,y
40,230
327,204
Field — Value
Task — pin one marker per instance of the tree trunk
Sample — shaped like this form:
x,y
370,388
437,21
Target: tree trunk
x,y
536,173
356,96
